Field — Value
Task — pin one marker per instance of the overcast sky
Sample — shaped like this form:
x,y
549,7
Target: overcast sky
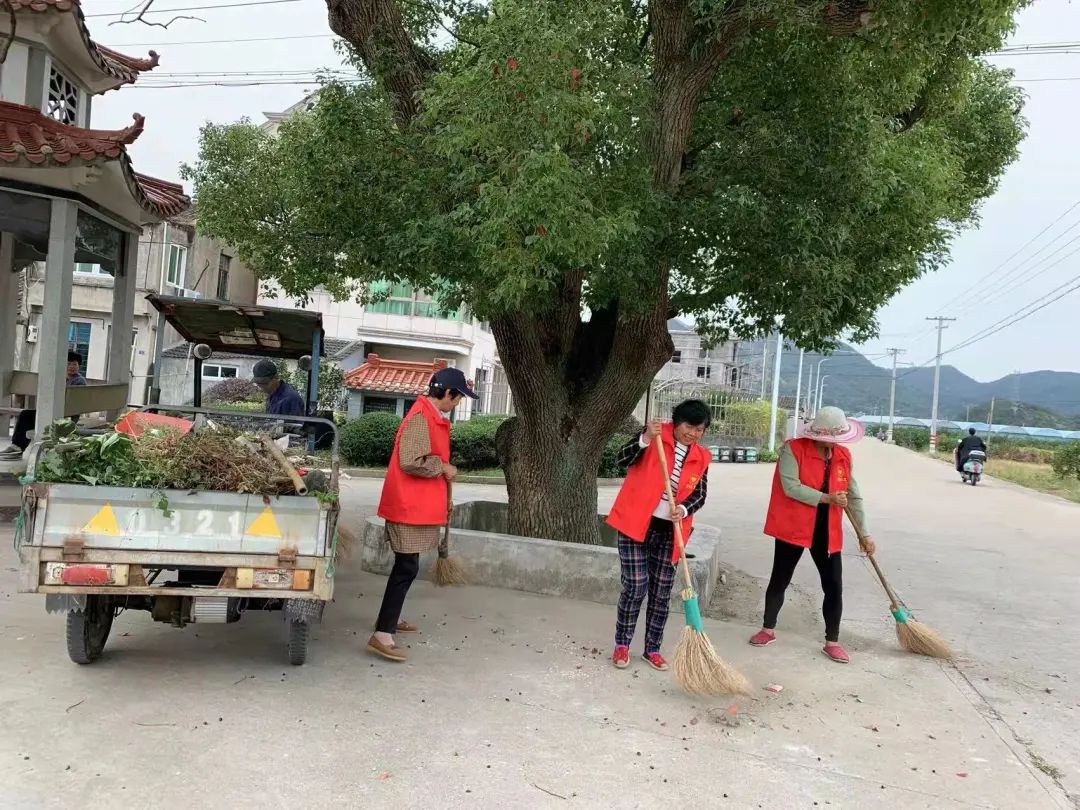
x,y
1036,191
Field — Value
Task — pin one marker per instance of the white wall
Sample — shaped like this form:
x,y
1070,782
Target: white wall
x,y
13,74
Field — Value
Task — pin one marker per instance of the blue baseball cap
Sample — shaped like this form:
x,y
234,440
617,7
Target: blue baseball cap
x,y
453,379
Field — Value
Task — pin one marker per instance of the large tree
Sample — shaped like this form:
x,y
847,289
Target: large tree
x,y
579,172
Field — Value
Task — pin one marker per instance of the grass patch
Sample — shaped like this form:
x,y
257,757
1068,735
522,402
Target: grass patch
x,y
1035,476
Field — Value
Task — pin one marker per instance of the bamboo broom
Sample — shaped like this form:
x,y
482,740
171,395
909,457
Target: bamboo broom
x,y
697,667
913,635
448,570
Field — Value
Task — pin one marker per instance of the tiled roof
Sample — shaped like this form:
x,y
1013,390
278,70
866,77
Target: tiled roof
x,y
392,376
125,69
29,137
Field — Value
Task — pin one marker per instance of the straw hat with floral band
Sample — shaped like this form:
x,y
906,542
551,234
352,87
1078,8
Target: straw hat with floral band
x,y
832,426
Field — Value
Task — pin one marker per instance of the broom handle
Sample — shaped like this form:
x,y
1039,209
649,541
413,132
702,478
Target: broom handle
x,y
444,544
675,524
877,569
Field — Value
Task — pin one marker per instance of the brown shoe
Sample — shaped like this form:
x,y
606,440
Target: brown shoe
x,y
407,627
387,651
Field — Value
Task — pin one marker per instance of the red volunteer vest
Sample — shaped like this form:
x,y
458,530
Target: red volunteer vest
x,y
793,521
410,499
644,484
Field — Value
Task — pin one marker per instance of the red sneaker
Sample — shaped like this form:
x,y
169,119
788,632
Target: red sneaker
x,y
836,652
763,638
621,657
656,661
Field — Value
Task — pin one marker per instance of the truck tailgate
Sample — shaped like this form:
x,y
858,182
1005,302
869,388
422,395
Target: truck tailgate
x,y
223,522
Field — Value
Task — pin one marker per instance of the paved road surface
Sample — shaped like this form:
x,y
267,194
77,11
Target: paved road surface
x,y
506,703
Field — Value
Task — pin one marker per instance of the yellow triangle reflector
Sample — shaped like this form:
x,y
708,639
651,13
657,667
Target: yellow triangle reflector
x,y
104,522
265,525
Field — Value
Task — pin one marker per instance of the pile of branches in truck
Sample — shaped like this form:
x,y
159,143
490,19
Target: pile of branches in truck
x,y
221,459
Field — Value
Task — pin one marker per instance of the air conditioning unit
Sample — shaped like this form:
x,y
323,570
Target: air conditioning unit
x,y
31,333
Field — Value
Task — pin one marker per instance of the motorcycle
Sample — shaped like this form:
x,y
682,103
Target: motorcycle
x,y
973,467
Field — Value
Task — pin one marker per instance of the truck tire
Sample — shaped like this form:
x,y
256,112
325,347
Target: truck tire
x,y
298,641
88,629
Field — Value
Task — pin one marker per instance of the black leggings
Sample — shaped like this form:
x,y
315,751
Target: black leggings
x,y
830,566
406,567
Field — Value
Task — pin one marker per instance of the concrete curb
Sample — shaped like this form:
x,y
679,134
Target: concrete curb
x,y
548,567
493,480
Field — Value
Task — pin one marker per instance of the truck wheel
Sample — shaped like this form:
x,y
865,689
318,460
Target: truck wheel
x,y
88,629
298,640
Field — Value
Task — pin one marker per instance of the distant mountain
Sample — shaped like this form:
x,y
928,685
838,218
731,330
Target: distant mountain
x,y
860,386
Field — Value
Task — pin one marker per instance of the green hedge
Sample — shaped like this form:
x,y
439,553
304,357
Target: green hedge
x,y
1067,461
472,443
369,440
751,419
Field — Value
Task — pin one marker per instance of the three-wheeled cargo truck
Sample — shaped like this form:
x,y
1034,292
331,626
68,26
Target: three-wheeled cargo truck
x,y
209,556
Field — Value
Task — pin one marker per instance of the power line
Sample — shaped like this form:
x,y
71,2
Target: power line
x,y
191,8
1031,277
160,44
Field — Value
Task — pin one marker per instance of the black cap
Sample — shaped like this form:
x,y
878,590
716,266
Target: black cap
x,y
264,371
453,379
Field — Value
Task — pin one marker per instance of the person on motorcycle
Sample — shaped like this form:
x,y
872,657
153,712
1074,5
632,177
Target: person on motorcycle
x,y
965,446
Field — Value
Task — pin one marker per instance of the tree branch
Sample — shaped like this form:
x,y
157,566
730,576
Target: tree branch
x,y
377,30
141,11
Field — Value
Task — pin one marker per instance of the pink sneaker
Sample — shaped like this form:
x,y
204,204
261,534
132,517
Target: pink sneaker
x,y
621,657
836,652
656,661
763,638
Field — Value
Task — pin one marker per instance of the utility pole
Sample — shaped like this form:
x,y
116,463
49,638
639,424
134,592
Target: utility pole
x,y
798,397
989,426
774,411
764,364
941,327
892,396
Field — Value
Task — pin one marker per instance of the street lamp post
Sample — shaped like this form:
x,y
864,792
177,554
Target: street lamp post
x,y
821,392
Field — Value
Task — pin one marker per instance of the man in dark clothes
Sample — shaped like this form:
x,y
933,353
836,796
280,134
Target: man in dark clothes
x,y
27,420
965,446
281,398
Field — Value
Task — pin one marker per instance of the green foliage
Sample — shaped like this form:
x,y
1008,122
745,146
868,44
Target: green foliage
x,y
331,385
105,460
368,441
751,419
912,438
824,173
1066,461
766,456
472,443
608,466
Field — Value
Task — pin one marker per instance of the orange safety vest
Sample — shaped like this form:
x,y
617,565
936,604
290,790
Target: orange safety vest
x,y
410,499
644,484
793,521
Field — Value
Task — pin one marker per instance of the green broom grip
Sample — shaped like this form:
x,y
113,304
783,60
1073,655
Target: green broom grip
x,y
693,614
901,614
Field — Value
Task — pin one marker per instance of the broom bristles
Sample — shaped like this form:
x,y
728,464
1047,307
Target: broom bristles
x,y
449,572
700,670
918,638
346,542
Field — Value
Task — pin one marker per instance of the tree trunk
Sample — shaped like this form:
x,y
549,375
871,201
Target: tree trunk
x,y
573,382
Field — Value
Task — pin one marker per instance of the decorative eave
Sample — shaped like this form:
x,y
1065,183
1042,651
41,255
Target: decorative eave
x,y
407,377
29,138
118,69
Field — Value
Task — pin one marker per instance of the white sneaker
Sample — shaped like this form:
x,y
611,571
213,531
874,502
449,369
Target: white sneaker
x,y
10,453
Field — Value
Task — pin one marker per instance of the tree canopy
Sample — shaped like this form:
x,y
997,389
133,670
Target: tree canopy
x,y
578,173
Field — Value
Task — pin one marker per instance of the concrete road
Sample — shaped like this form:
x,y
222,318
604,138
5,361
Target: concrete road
x,y
509,700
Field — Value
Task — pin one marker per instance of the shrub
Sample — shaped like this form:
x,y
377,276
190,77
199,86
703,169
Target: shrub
x,y
369,440
472,443
751,419
766,456
1067,461
235,389
608,466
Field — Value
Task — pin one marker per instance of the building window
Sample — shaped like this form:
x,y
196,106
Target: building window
x,y
703,372
676,357
91,269
79,341
177,264
402,299
217,372
380,405
62,103
223,265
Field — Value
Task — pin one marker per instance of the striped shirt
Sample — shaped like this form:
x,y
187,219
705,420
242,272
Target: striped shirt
x,y
663,511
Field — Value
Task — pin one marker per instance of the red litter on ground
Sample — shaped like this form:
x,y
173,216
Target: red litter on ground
x,y
774,687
